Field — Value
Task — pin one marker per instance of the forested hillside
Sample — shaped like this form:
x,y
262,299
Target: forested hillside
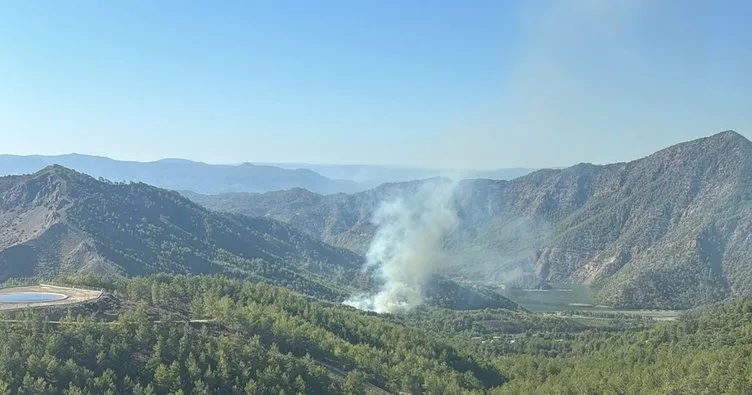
x,y
667,231
250,339
189,334
59,222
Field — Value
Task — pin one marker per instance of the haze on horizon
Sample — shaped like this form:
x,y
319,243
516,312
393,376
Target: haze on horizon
x,y
483,84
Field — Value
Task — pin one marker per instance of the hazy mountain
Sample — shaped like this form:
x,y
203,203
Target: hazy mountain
x,y
369,176
58,221
673,229
181,174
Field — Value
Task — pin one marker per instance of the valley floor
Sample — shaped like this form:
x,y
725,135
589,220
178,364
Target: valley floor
x,y
578,301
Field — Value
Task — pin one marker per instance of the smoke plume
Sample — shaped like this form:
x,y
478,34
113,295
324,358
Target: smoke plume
x,y
407,247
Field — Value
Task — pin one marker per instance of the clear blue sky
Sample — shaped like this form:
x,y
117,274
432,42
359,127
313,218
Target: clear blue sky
x,y
471,84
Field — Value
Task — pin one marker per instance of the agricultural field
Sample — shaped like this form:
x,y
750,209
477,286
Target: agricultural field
x,y
577,299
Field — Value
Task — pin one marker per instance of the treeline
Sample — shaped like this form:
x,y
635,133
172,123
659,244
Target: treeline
x,y
392,356
485,322
137,356
257,339
201,335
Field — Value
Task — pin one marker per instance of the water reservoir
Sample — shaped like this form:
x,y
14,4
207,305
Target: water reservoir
x,y
31,297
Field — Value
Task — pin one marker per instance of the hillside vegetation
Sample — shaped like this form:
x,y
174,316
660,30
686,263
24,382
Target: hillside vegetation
x,y
252,339
61,222
707,354
208,334
671,230
58,221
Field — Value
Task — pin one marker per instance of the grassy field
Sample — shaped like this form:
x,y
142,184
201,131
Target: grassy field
x,y
569,297
559,298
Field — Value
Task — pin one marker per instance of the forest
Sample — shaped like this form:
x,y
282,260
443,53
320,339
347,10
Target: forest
x,y
168,334
254,338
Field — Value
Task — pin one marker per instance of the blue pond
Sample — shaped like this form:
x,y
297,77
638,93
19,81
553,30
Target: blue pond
x,y
30,297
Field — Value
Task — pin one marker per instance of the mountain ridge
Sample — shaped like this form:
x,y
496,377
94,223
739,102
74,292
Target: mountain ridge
x,y
200,177
175,173
59,222
648,232
59,216
370,176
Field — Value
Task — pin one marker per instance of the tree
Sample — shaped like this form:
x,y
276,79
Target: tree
x,y
355,383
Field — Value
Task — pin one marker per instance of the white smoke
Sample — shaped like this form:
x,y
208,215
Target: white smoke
x,y
407,247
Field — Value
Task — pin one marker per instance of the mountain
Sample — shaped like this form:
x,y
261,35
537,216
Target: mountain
x,y
181,174
671,230
370,176
186,175
60,222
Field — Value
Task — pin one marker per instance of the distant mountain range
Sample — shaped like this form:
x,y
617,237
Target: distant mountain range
x,y
370,176
60,222
672,230
181,174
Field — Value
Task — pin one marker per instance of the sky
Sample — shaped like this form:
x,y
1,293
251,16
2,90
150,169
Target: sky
x,y
449,84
